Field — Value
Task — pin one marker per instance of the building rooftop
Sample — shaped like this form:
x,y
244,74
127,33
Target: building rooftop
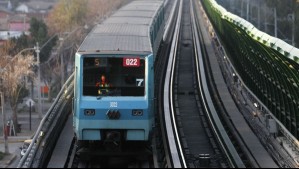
x,y
36,6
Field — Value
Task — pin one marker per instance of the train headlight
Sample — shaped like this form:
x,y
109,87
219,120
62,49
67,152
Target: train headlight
x,y
137,112
89,112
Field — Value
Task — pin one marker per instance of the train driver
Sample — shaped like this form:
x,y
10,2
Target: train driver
x,y
103,85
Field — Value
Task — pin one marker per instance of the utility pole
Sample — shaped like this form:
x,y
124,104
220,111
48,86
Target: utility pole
x,y
24,24
37,50
5,132
247,13
293,29
275,22
62,69
259,15
242,2
62,72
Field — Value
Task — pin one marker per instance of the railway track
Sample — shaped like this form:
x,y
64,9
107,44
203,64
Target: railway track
x,y
195,134
192,139
129,161
200,147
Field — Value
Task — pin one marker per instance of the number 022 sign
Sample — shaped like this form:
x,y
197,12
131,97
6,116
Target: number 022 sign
x,y
131,62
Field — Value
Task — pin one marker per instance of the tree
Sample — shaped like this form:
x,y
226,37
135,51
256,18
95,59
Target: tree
x,y
16,68
38,30
39,33
67,19
21,43
66,15
7,48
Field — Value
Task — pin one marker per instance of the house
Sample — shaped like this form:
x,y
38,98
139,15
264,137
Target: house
x,y
14,24
23,8
4,16
6,4
35,6
19,23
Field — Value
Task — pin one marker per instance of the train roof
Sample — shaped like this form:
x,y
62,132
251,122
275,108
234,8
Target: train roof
x,y
126,30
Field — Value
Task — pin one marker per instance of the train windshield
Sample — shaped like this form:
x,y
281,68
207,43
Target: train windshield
x,y
104,76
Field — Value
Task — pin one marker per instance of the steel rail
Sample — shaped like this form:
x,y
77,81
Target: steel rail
x,y
173,137
225,142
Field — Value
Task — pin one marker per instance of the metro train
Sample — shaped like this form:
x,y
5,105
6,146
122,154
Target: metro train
x,y
114,76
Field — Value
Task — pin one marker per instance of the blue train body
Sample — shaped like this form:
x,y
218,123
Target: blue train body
x,y
122,51
118,110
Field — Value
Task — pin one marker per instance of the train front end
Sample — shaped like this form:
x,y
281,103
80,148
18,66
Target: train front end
x,y
114,97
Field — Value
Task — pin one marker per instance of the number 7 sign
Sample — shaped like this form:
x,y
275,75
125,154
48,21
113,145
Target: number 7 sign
x,y
140,82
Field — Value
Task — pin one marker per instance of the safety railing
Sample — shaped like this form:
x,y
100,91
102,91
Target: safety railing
x,y
49,128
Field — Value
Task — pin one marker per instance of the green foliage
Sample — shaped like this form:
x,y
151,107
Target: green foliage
x,y
38,30
20,43
15,45
39,33
46,50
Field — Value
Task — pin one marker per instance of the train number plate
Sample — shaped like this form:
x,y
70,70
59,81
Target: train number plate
x,y
113,104
131,62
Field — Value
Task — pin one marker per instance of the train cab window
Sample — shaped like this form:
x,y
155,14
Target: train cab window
x,y
105,76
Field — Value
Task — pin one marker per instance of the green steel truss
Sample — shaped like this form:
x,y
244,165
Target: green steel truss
x,y
268,66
